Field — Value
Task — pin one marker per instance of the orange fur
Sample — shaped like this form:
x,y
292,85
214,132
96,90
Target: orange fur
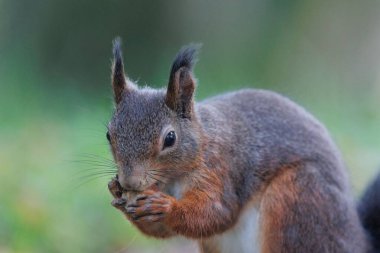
x,y
276,199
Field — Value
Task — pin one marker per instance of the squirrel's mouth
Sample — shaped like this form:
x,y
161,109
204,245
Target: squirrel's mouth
x,y
139,184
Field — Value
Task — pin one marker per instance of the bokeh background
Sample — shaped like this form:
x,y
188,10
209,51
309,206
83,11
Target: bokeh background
x,y
55,96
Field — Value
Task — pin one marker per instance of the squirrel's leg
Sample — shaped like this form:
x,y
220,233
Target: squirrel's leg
x,y
302,211
148,227
197,214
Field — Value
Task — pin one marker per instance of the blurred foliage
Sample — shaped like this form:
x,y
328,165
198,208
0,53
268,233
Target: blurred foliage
x,y
55,96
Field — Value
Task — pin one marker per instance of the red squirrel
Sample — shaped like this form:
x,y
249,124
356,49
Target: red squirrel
x,y
247,171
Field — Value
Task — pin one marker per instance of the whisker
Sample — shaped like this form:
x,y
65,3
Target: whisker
x,y
160,175
95,174
96,169
158,172
155,178
75,187
93,161
97,157
171,170
169,176
88,178
84,173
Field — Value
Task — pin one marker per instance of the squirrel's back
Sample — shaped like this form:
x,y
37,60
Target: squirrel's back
x,y
256,124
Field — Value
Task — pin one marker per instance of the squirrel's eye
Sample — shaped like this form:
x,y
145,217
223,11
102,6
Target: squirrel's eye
x,y
108,136
169,139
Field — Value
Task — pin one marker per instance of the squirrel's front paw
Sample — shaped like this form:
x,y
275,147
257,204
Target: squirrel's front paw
x,y
150,206
117,192
115,188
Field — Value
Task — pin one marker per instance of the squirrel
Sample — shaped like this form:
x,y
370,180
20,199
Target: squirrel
x,y
246,171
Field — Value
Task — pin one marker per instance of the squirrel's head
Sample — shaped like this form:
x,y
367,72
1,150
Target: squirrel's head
x,y
154,134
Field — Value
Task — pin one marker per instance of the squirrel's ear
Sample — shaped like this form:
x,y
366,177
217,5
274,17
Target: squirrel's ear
x,y
119,81
179,96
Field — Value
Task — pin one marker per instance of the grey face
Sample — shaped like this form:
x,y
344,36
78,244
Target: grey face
x,y
136,133
152,131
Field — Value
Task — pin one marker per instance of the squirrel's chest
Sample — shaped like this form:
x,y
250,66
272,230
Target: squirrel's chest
x,y
243,237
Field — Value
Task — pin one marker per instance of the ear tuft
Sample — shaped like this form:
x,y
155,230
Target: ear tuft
x,y
186,58
181,86
117,49
118,77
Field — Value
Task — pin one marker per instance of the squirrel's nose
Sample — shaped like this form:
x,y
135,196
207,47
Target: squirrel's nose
x,y
132,183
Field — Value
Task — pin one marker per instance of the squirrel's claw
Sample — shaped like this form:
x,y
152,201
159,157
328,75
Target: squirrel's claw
x,y
118,202
117,192
115,188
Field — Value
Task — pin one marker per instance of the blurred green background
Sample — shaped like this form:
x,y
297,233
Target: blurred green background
x,y
55,96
